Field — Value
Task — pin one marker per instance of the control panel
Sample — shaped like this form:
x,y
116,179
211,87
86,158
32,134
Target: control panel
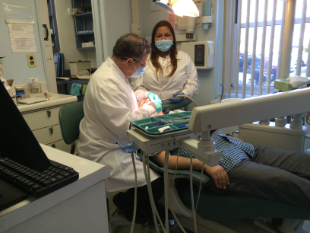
x,y
201,53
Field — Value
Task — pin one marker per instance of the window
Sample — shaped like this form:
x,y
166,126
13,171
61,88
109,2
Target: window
x,y
265,46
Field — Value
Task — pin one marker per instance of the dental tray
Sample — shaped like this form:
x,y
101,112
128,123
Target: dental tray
x,y
176,121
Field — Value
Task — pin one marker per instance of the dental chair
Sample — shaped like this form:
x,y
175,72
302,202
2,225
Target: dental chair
x,y
222,208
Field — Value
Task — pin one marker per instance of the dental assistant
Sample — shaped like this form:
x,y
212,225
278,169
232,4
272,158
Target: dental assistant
x,y
169,72
109,106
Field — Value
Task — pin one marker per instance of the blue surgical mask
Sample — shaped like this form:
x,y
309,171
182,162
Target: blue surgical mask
x,y
163,45
138,72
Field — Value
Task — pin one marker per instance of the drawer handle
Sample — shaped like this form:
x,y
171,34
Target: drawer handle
x,y
49,113
51,130
53,145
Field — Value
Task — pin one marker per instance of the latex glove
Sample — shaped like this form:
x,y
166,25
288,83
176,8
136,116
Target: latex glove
x,y
153,97
177,99
158,105
156,101
130,148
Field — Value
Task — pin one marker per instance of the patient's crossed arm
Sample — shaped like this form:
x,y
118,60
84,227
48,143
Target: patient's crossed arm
x,y
218,174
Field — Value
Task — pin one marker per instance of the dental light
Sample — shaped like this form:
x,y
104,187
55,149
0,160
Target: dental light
x,y
179,7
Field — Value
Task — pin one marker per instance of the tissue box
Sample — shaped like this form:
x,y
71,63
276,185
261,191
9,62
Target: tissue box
x,y
88,44
282,85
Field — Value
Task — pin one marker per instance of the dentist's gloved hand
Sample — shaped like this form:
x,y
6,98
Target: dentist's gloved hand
x,y
176,99
153,97
157,104
130,148
156,101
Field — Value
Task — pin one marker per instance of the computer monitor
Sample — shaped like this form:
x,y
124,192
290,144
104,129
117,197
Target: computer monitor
x,y
17,141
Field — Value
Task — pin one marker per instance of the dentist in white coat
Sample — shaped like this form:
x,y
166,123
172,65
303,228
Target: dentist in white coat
x,y
109,106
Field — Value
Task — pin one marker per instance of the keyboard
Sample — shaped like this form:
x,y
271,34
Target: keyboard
x,y
35,183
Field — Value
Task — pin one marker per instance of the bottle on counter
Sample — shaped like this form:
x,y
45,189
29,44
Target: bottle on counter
x,y
35,86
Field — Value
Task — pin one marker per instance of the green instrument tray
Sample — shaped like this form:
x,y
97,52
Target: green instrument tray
x,y
172,120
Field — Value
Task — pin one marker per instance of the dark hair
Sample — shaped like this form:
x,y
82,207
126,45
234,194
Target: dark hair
x,y
173,49
131,45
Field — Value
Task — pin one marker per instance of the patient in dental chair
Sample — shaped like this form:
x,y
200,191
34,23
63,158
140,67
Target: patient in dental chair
x,y
247,170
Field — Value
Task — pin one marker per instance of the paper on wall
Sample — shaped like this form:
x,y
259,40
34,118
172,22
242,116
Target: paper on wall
x,y
8,21
23,45
21,30
22,35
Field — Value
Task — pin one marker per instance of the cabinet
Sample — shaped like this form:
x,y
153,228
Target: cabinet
x,y
53,24
83,23
43,120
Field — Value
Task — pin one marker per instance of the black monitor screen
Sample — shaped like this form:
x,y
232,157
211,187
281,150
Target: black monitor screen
x,y
17,141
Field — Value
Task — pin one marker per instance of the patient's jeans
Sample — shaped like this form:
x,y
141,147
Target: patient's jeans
x,y
273,174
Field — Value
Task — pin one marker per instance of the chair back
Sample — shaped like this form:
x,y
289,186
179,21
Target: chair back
x,y
69,120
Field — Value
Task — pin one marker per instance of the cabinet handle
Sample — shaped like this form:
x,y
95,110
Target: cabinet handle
x,y
51,130
49,113
45,26
53,145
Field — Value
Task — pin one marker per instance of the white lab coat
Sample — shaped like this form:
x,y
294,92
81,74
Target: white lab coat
x,y
184,79
109,106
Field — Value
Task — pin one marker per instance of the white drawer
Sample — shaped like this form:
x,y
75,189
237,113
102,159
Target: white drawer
x,y
48,134
60,145
43,118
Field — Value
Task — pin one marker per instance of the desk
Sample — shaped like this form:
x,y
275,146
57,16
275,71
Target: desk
x,y
77,207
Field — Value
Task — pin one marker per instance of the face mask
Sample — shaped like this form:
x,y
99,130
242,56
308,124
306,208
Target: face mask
x,y
138,72
164,45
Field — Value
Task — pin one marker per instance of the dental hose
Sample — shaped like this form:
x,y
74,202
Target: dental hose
x,y
185,96
175,173
200,185
135,199
149,188
192,193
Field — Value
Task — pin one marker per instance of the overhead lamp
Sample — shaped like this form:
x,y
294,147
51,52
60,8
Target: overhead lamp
x,y
179,7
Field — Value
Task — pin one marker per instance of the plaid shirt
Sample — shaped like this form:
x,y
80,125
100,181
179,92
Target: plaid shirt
x,y
233,151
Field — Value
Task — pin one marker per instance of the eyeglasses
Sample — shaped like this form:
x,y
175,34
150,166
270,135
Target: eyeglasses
x,y
139,62
134,59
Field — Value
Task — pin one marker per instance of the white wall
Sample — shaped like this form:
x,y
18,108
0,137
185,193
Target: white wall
x,y
15,64
150,15
149,18
118,16
66,36
207,77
